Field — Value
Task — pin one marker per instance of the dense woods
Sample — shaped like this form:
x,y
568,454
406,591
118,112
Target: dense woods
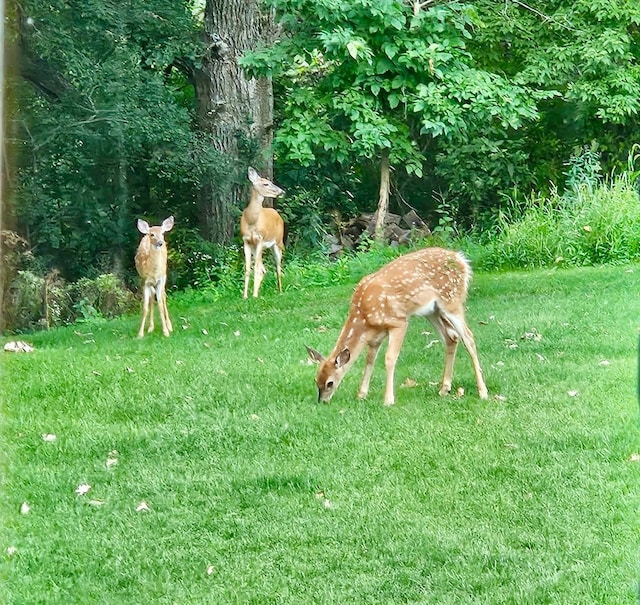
x,y
147,108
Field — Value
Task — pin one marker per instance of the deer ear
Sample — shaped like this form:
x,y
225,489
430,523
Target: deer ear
x,y
143,226
343,358
167,224
253,175
314,355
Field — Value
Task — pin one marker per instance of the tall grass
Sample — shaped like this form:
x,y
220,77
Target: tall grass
x,y
582,227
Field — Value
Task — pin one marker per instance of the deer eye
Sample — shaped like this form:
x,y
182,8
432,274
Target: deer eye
x,y
330,384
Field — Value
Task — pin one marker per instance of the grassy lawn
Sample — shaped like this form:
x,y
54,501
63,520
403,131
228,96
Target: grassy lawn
x,y
248,491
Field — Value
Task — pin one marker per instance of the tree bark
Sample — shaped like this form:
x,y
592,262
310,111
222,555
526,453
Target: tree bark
x,y
383,199
234,111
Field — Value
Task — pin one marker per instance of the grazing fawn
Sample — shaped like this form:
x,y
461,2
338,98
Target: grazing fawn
x,y
151,263
431,283
261,228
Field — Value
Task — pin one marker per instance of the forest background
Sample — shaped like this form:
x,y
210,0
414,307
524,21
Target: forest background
x,y
473,111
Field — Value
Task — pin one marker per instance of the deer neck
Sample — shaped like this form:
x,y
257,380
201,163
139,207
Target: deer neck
x,y
252,211
353,337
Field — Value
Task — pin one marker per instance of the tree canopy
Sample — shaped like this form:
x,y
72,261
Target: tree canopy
x,y
471,102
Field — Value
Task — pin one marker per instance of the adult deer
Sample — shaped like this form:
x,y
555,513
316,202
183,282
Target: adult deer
x,y
432,283
151,263
261,228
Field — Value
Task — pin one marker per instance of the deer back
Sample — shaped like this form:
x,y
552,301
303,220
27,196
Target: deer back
x,y
413,284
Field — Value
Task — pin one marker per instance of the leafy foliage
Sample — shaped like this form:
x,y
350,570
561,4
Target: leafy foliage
x,y
115,141
357,78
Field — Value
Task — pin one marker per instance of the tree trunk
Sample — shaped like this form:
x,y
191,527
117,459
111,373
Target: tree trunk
x,y
383,199
234,111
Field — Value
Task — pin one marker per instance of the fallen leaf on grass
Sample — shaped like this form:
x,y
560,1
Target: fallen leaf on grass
x,y
409,383
634,458
460,392
572,393
533,335
143,507
605,362
11,550
48,437
500,398
82,489
236,333
25,508
96,503
130,370
96,373
112,459
432,343
210,570
205,331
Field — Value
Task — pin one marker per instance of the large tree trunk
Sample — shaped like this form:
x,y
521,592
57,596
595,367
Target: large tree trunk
x,y
383,197
235,111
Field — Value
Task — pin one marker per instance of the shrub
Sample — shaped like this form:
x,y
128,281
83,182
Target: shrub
x,y
586,226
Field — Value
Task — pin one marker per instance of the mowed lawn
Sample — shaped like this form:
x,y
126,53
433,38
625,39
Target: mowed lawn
x,y
208,474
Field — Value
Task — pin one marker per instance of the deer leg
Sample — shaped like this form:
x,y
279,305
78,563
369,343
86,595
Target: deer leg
x,y
372,353
146,298
247,268
161,297
258,269
470,344
277,255
153,299
455,325
396,338
165,309
451,346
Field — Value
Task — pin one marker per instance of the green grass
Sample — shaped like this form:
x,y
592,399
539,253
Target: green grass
x,y
257,494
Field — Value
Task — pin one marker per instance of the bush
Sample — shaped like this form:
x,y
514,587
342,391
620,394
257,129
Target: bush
x,y
36,302
589,225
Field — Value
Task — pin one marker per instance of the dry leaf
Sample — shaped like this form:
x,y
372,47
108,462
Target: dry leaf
x,y
130,370
210,570
143,507
254,417
587,228
409,383
500,398
431,343
82,489
327,503
112,458
460,392
96,503
322,329
25,508
96,373
11,550
572,393
48,437
634,458
205,331
236,333
605,362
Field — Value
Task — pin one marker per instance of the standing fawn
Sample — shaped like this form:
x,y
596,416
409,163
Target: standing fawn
x,y
261,228
151,263
432,283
